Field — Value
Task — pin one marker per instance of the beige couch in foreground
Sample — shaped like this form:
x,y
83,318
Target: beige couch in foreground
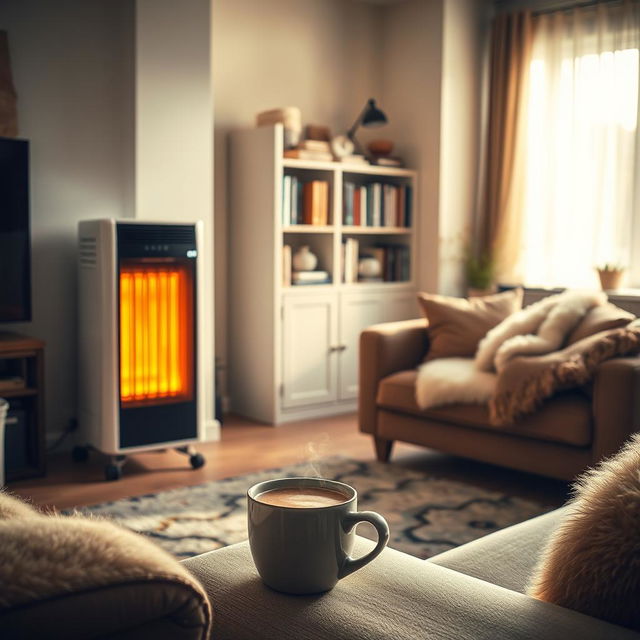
x,y
570,432
473,592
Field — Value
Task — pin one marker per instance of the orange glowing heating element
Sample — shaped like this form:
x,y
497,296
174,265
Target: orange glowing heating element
x,y
156,334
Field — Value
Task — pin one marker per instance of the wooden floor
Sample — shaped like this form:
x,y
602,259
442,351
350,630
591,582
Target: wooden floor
x,y
246,447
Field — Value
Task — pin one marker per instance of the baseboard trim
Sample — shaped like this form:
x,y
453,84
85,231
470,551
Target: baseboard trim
x,y
212,431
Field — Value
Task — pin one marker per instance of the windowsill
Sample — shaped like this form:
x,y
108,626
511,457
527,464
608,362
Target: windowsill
x,y
626,293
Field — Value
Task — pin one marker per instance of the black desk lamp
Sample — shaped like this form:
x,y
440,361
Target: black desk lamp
x,y
370,116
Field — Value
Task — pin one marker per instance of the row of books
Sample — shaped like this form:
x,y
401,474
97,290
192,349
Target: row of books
x,y
304,202
377,204
394,261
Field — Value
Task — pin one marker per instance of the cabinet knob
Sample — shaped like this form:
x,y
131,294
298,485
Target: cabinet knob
x,y
337,347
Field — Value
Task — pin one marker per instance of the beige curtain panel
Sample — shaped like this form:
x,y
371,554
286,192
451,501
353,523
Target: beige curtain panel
x,y
8,98
511,45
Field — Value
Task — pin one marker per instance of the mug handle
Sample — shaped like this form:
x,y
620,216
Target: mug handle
x,y
349,521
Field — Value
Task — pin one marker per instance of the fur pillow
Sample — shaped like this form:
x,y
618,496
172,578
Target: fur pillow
x,y
526,381
456,325
592,562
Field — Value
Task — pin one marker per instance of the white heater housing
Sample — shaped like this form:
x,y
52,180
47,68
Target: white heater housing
x,y
129,330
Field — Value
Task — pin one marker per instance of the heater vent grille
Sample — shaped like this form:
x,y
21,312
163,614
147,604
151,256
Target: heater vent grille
x,y
156,233
88,252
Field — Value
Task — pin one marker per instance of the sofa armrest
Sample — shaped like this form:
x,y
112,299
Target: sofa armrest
x,y
385,349
616,404
395,596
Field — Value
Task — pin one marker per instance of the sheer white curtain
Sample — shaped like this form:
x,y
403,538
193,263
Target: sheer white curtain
x,y
581,145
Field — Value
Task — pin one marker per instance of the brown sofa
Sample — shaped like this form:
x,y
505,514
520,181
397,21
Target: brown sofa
x,y
570,432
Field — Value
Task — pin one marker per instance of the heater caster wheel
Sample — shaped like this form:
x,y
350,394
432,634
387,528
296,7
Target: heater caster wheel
x,y
80,454
197,460
112,472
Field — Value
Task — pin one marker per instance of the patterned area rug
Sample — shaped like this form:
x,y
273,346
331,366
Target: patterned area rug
x,y
426,515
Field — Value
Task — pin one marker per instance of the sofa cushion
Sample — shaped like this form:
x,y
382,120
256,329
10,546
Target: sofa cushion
x,y
600,318
592,562
565,418
456,325
507,557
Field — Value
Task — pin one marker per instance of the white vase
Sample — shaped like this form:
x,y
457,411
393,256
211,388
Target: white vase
x,y
369,267
304,260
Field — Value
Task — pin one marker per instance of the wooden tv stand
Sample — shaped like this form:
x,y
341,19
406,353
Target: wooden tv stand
x,y
22,385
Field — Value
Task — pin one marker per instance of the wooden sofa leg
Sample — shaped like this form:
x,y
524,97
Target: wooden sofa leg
x,y
383,449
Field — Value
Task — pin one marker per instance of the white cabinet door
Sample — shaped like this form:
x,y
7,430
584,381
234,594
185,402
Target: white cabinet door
x,y
309,350
357,312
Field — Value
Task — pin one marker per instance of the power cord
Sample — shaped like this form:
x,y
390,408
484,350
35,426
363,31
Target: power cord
x,y
71,427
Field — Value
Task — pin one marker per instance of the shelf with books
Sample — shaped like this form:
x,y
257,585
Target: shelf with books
x,y
381,203
294,370
307,198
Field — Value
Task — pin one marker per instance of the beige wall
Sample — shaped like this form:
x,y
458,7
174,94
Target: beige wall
x,y
174,135
320,55
465,33
412,86
73,75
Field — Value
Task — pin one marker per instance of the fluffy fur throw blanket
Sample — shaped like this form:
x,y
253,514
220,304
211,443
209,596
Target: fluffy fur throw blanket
x,y
44,557
539,328
530,339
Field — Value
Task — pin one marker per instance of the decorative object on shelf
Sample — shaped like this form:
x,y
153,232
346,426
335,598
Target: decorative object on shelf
x,y
369,267
317,132
369,117
342,146
304,259
380,154
290,117
308,154
610,275
380,147
8,98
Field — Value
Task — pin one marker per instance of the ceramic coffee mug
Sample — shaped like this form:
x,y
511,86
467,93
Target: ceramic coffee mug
x,y
307,550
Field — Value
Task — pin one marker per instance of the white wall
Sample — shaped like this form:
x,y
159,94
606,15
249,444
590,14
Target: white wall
x,y
320,55
174,134
74,79
466,24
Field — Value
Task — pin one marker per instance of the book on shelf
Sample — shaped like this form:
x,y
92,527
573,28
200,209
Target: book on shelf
x,y
286,265
387,161
304,202
377,204
307,154
394,261
321,146
350,255
310,277
316,202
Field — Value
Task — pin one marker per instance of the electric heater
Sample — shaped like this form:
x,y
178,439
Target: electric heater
x,y
139,330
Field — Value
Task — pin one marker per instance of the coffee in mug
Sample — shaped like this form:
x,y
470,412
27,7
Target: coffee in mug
x,y
302,531
301,498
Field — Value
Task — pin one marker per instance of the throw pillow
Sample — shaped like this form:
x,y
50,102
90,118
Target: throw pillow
x,y
592,562
456,325
600,318
526,381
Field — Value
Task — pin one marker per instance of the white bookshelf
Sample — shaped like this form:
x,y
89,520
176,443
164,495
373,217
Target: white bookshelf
x,y
294,349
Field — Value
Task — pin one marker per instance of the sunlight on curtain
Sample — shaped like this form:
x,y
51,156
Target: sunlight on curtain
x,y
581,145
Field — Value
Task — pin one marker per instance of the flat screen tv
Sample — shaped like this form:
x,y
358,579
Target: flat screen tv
x,y
15,238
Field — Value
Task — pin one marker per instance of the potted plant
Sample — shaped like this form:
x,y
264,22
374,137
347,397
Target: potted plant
x,y
610,275
480,273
